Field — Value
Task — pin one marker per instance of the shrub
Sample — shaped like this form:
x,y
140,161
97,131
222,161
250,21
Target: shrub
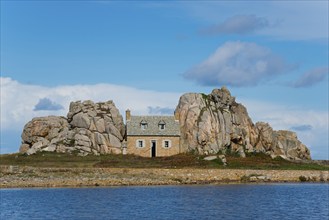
x,y
245,178
302,178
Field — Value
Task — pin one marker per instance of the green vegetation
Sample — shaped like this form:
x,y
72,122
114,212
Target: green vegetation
x,y
200,115
204,96
71,142
302,178
229,153
261,161
253,161
48,159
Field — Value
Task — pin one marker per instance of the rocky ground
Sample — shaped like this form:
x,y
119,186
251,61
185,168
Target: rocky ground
x,y
25,176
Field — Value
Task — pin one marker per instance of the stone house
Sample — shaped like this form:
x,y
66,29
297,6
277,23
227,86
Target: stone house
x,y
152,136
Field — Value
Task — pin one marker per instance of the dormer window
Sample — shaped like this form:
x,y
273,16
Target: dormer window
x,y
143,125
162,125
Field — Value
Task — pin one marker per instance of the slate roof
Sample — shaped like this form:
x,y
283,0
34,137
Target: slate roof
x,y
171,126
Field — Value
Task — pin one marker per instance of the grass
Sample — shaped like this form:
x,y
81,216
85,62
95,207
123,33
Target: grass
x,y
48,159
252,161
261,161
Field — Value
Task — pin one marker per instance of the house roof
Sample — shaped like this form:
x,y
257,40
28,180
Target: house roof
x,y
172,127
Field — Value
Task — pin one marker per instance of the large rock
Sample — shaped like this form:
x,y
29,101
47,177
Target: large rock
x,y
80,120
90,128
292,147
37,133
280,143
46,127
215,123
93,124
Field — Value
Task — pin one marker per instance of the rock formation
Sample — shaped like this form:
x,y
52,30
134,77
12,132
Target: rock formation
x,y
210,124
215,123
95,128
44,133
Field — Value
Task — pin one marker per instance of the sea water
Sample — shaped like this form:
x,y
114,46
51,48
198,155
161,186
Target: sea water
x,y
240,201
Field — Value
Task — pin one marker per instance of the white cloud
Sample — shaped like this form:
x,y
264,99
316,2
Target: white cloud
x,y
292,20
302,127
18,103
46,104
238,24
18,100
238,64
312,77
160,111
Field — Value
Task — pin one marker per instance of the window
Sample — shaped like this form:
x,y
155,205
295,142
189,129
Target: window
x,y
162,125
140,143
143,125
166,143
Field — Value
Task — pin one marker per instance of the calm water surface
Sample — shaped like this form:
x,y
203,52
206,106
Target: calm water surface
x,y
273,201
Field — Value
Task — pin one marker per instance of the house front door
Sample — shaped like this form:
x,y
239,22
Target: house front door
x,y
153,148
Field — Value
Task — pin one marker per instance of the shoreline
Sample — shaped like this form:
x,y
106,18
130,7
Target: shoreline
x,y
165,185
27,177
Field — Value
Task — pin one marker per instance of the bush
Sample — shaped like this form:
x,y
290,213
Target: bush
x,y
257,154
302,178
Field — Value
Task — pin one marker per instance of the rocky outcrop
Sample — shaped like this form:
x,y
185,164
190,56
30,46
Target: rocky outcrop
x,y
44,134
90,128
280,143
215,123
209,124
96,127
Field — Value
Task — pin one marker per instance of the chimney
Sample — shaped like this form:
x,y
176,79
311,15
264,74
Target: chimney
x,y
128,116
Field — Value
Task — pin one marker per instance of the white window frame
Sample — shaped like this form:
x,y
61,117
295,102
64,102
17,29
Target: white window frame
x,y
164,144
138,143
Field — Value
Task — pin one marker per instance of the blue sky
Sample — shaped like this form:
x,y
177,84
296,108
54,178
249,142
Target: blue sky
x,y
272,55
